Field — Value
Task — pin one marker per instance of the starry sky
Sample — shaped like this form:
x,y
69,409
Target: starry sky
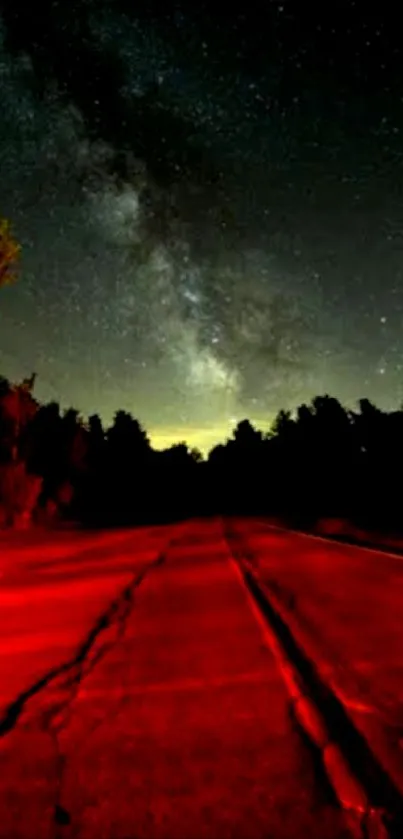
x,y
210,208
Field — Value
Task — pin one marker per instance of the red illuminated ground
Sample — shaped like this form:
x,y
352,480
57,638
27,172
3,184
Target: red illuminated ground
x,y
348,604
139,697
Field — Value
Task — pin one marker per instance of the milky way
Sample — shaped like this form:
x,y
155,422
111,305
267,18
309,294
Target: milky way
x,y
205,236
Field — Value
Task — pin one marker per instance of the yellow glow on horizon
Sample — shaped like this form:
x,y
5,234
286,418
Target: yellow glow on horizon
x,y
203,438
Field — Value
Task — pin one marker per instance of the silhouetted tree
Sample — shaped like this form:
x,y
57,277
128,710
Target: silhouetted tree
x,y
91,499
128,482
323,461
19,490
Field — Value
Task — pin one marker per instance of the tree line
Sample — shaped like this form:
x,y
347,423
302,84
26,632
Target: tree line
x,y
321,461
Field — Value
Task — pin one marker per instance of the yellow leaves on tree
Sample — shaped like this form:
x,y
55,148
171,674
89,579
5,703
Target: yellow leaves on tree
x,y
9,253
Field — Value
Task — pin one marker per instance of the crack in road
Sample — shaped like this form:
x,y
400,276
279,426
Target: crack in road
x,y
71,675
122,603
382,791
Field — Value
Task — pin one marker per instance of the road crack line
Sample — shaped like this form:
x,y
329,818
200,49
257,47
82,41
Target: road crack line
x,y
67,677
360,783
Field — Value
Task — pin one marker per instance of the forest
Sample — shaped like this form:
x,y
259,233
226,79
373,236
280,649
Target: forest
x,y
320,461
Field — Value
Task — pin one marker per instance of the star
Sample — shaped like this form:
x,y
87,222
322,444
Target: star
x,y
207,209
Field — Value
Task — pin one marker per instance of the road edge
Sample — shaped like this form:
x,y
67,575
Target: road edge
x,y
365,820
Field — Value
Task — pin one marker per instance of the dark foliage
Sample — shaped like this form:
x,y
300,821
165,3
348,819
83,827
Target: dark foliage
x,y
322,462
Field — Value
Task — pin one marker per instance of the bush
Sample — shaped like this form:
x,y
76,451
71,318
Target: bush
x,y
19,493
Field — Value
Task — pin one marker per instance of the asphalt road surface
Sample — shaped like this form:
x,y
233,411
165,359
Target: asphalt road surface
x,y
348,602
140,697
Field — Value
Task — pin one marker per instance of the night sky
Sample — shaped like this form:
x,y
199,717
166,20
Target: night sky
x,y
210,208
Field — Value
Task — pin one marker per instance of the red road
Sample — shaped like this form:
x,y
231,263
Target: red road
x,y
52,593
346,604
173,721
